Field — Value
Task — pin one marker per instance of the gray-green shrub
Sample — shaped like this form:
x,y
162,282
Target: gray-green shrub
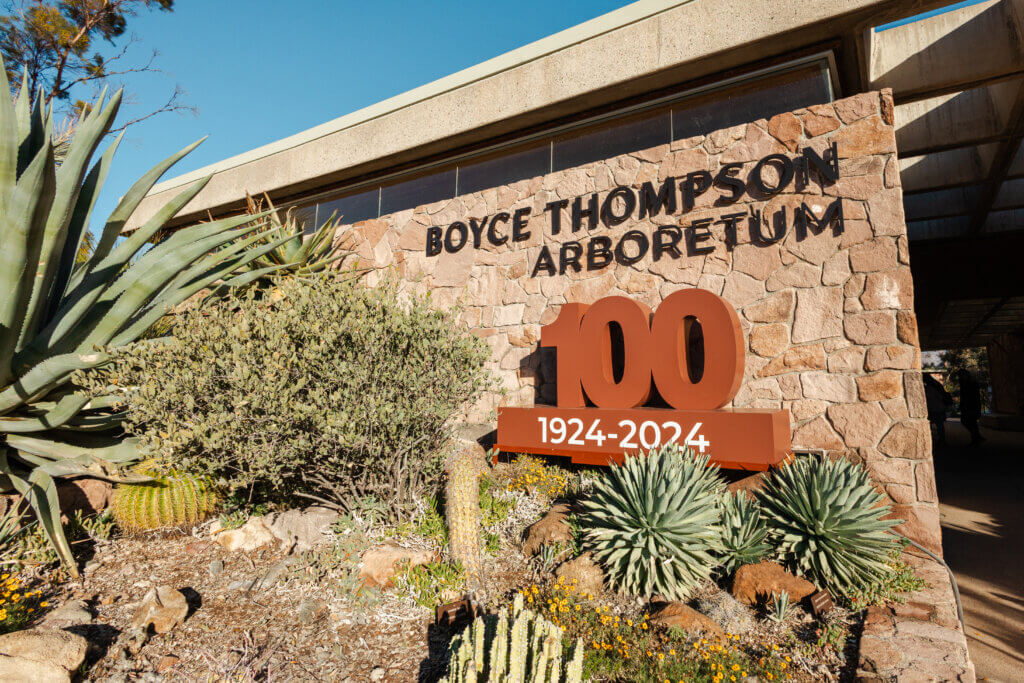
x,y
318,387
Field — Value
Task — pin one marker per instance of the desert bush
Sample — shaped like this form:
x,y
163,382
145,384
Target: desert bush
x,y
317,387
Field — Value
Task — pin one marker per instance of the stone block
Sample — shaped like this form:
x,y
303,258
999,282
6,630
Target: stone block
x,y
850,109
820,122
847,359
756,261
906,327
804,409
869,135
887,470
860,424
795,359
876,255
817,433
894,357
879,386
924,474
818,314
910,439
836,270
888,289
769,340
913,387
827,387
871,327
776,308
786,129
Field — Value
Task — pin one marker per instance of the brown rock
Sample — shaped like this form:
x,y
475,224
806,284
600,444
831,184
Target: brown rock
x,y
799,274
587,574
87,494
924,476
786,129
921,523
861,424
910,439
878,254
817,433
250,536
818,314
854,108
755,583
879,656
769,340
61,650
889,357
590,290
748,484
166,662
886,106
682,616
795,359
741,290
889,289
867,136
551,528
819,123
380,564
163,607
880,385
871,327
807,408
855,231
836,270
906,327
774,309
913,387
756,261
886,211
834,388
914,610
849,359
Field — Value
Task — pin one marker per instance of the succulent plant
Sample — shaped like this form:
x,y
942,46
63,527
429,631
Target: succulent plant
x,y
743,531
295,254
515,648
825,521
169,499
652,522
57,311
462,511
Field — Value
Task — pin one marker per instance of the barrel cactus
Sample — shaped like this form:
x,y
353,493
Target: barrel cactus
x,y
652,522
513,648
462,510
60,313
167,499
825,520
743,531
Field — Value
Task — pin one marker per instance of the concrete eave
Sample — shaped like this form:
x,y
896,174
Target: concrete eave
x,y
638,48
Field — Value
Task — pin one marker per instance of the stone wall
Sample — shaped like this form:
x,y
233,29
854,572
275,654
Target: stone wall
x,y
828,316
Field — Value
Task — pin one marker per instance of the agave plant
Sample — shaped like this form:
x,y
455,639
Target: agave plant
x,y
59,312
743,531
653,522
825,521
296,254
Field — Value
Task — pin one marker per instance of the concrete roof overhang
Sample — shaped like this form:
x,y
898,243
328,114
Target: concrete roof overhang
x,y
644,46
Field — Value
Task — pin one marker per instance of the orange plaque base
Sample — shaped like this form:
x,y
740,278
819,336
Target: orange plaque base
x,y
736,439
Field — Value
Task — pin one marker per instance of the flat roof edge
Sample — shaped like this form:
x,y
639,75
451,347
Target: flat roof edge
x,y
538,49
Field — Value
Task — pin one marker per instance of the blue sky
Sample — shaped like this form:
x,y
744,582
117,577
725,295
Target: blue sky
x,y
259,70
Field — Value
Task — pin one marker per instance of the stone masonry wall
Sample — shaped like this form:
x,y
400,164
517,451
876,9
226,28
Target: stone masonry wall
x,y
828,318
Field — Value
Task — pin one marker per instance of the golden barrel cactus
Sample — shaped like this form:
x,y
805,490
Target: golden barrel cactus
x,y
462,510
170,499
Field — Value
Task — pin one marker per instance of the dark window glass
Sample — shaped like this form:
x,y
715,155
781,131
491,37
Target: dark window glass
x,y
620,137
351,209
507,167
749,102
418,191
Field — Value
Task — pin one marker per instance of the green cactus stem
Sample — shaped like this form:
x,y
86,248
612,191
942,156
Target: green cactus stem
x,y
462,511
173,499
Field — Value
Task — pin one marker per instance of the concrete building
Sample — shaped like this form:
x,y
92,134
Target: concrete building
x,y
926,118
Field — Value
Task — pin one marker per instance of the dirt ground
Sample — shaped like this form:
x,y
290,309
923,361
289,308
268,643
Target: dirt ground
x,y
981,496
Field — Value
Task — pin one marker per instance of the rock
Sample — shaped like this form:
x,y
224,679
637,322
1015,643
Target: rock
x,y
73,613
86,494
216,567
163,607
41,654
166,662
748,484
729,613
242,585
679,615
252,535
272,576
587,574
754,583
377,674
551,528
302,528
310,609
379,564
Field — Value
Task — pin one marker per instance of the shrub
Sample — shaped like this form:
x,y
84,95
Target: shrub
x,y
653,522
319,387
825,521
743,532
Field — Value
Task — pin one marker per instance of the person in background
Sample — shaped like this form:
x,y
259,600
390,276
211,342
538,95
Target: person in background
x,y
970,404
938,401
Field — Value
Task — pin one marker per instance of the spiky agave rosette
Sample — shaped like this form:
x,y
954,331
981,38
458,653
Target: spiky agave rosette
x,y
743,531
825,520
653,522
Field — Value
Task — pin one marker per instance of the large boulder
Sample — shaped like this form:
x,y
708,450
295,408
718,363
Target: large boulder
x,y
682,616
551,528
756,583
587,574
163,608
88,495
380,564
41,654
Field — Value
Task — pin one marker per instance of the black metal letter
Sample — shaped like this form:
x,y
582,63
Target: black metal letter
x,y
433,241
555,208
544,263
519,220
695,183
463,231
666,238
578,212
642,243
599,252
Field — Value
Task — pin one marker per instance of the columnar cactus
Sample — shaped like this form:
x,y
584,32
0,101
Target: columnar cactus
x,y
168,500
462,510
524,646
